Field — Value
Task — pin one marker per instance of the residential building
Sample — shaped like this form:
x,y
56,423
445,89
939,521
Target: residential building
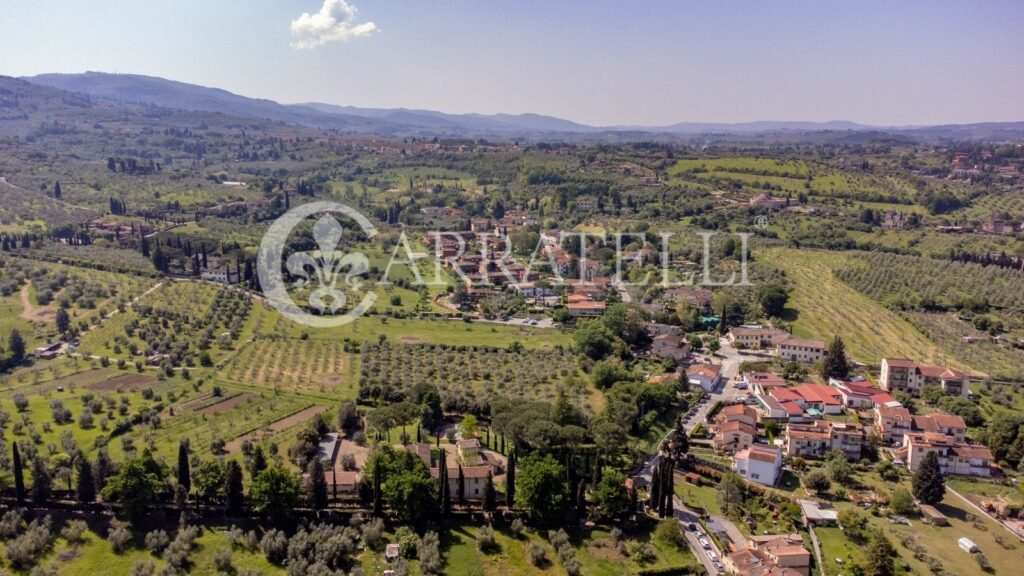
x,y
760,463
468,451
818,439
859,394
756,336
948,424
670,346
762,382
909,376
327,450
474,481
955,458
824,399
734,428
707,376
892,423
800,350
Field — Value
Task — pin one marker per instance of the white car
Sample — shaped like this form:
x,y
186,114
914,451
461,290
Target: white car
x,y
712,555
704,543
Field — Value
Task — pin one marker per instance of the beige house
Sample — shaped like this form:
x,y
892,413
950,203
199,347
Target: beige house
x,y
771,555
756,337
800,350
909,376
893,423
670,346
956,458
818,439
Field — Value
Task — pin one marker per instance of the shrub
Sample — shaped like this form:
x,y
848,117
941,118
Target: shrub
x,y
817,481
157,541
373,534
517,528
407,541
669,531
643,553
222,560
538,556
74,532
142,568
275,546
429,554
485,541
24,550
902,502
119,538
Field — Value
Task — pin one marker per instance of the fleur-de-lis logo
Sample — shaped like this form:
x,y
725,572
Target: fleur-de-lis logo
x,y
328,271
327,264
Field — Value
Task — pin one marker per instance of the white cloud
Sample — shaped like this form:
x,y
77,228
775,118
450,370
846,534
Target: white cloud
x,y
335,22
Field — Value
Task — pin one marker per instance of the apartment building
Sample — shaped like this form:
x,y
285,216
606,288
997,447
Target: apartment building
x,y
909,376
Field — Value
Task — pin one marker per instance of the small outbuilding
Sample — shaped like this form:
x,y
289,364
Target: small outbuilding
x,y
967,545
931,515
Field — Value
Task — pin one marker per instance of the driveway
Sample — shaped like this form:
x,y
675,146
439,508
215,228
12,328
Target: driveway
x,y
727,391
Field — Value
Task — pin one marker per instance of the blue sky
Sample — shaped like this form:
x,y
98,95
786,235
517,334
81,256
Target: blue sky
x,y
598,62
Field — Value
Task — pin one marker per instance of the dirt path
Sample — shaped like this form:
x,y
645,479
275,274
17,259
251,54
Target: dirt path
x,y
30,312
275,427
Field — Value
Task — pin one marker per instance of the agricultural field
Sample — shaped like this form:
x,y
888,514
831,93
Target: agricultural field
x,y
24,210
743,165
417,331
179,322
465,375
294,365
824,306
1001,359
87,295
1009,203
907,281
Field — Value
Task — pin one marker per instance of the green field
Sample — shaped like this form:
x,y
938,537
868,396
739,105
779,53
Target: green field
x,y
825,307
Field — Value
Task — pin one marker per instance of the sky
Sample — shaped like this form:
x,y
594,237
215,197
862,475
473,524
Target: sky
x,y
651,62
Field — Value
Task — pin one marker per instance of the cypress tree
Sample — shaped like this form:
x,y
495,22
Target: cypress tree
x,y
42,481
85,486
655,502
233,489
446,497
378,504
490,496
16,346
317,485
510,480
184,477
462,486
19,476
928,485
879,556
102,470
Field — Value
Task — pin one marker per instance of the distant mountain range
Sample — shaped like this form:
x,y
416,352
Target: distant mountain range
x,y
155,91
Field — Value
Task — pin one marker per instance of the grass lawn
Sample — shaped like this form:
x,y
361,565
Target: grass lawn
x,y
825,306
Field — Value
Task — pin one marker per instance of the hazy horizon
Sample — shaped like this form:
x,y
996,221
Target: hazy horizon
x,y
600,63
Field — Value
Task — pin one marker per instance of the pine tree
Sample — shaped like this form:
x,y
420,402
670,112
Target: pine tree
x,y
928,485
184,478
510,481
19,476
317,486
835,364
490,496
85,487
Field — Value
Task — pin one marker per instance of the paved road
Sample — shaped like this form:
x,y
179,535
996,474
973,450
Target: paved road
x,y
687,517
731,359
